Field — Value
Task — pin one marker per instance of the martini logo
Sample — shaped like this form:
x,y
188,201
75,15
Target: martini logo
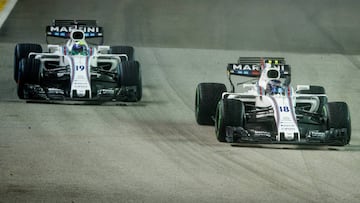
x,y
75,27
245,67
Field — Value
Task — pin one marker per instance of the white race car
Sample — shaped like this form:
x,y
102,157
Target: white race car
x,y
77,70
268,110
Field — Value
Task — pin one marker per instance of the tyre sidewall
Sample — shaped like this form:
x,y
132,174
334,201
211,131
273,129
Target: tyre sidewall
x,y
22,51
29,73
339,117
230,112
129,74
207,96
220,128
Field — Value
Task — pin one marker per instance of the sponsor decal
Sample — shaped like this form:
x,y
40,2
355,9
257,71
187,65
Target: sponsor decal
x,y
64,31
71,28
284,109
79,68
246,69
261,133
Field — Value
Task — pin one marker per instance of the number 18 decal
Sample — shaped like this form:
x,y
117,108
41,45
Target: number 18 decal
x,y
284,109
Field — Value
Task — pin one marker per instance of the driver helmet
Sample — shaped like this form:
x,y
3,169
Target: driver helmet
x,y
79,48
274,87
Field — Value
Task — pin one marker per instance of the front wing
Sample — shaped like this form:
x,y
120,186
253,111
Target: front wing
x,y
37,92
315,137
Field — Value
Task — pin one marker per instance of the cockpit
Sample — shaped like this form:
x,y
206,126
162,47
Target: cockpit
x,y
77,44
79,48
272,80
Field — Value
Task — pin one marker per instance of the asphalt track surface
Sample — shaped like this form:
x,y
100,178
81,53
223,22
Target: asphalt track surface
x,y
153,151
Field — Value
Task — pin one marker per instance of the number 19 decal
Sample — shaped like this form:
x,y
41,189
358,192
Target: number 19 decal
x,y
284,109
79,68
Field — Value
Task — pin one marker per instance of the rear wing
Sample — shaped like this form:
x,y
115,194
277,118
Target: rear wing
x,y
63,28
252,66
262,60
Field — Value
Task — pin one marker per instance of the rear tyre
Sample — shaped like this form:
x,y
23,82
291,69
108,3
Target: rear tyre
x,y
29,73
229,112
339,118
207,97
129,74
22,51
128,50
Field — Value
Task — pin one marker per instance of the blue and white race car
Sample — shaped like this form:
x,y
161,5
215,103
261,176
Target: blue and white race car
x,y
76,69
268,110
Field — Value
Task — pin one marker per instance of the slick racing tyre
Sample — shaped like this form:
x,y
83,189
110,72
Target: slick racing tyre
x,y
129,75
339,118
128,50
22,51
229,112
29,73
206,99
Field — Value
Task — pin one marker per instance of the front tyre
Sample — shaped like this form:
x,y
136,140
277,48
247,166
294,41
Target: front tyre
x,y
29,73
207,97
22,51
129,75
230,112
339,118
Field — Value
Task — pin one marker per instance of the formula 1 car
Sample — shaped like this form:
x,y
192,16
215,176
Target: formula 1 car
x,y
268,110
77,69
